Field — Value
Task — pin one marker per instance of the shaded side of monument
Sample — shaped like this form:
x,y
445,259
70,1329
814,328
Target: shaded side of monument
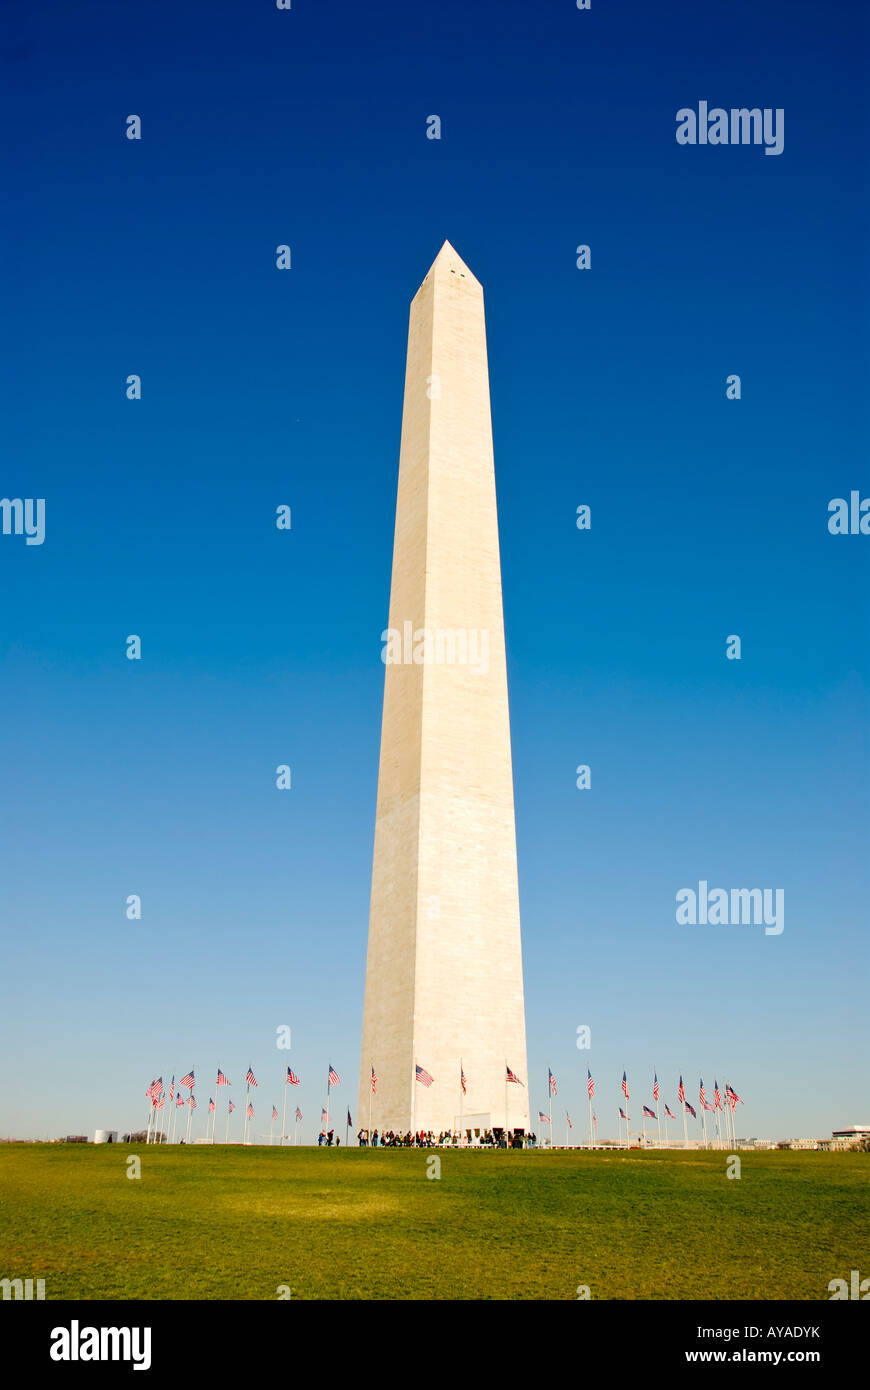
x,y
444,982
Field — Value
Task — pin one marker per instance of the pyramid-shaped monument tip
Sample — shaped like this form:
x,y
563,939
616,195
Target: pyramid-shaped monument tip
x,y
448,259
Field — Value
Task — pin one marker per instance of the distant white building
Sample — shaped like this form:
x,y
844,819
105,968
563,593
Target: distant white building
x,y
845,1138
840,1140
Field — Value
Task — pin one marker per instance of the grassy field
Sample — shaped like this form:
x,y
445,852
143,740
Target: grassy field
x,y
234,1223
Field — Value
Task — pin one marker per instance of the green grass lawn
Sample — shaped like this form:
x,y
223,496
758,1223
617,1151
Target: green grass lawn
x,y
233,1223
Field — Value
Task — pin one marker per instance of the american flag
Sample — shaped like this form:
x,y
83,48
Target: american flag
x,y
210,1105
590,1084
251,1078
595,1120
322,1119
707,1106
221,1079
624,1086
514,1079
462,1081
681,1093
552,1082
171,1090
349,1120
691,1110
374,1082
545,1119
153,1091
192,1101
622,1113
292,1078
334,1078
702,1096
188,1080
647,1111
668,1111
298,1113
160,1104
423,1076
568,1118
655,1087
274,1113
179,1099
732,1096
232,1108
717,1098
250,1111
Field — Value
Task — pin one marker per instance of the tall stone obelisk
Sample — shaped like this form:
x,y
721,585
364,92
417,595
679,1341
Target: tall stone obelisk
x,y
444,982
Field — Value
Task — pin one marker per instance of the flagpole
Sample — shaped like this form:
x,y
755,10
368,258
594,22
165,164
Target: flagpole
x,y
371,1093
461,1099
245,1127
328,1092
284,1114
229,1112
150,1118
506,1101
685,1122
189,1116
414,1098
658,1116
295,1128
729,1120
165,1099
730,1116
346,1126
272,1127
703,1111
549,1102
666,1129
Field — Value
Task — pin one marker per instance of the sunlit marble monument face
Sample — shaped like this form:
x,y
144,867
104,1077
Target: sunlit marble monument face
x,y
444,982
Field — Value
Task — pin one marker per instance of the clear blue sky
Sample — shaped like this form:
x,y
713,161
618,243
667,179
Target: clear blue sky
x,y
261,647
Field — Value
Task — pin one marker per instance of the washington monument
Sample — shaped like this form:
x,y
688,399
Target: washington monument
x,y
444,980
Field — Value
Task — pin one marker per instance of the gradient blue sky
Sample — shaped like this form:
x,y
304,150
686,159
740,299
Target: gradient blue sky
x,y
157,777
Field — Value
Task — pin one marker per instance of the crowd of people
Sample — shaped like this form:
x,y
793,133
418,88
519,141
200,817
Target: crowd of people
x,y
449,1139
